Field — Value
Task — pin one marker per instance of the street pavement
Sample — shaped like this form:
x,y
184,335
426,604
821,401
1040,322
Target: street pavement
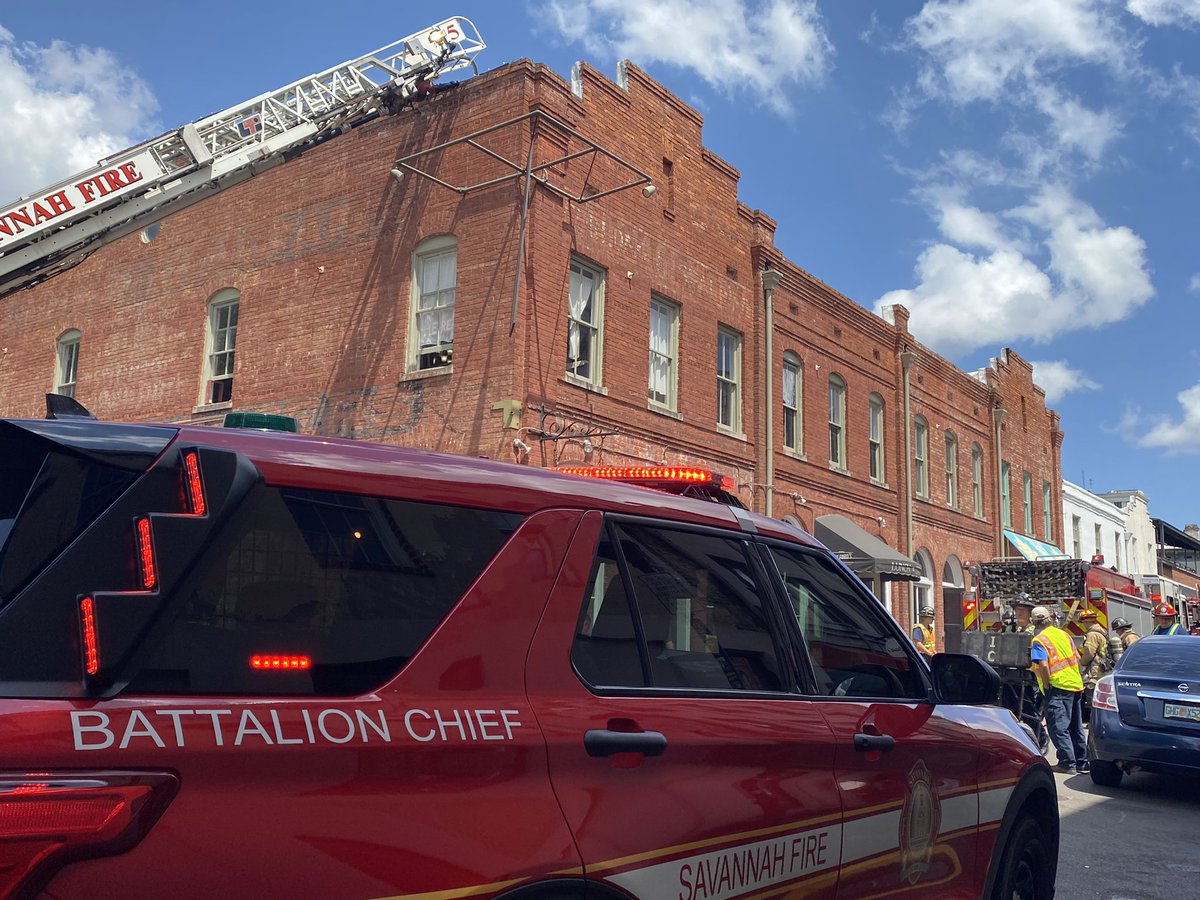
x,y
1140,841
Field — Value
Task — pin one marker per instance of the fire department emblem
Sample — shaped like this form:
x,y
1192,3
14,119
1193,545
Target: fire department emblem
x,y
919,823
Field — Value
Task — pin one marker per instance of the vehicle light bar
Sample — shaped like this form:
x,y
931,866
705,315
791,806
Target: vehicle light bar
x,y
145,544
654,476
91,645
280,662
193,484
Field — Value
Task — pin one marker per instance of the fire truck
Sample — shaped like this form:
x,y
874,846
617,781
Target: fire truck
x,y
1067,586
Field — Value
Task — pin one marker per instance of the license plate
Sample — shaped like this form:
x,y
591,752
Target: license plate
x,y
1179,711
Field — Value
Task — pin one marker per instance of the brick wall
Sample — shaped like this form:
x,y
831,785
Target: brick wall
x,y
320,250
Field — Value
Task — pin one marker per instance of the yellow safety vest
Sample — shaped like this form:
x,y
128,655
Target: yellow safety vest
x,y
927,638
1063,660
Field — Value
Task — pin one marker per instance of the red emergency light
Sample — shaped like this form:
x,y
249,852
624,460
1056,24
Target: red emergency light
x,y
675,479
279,662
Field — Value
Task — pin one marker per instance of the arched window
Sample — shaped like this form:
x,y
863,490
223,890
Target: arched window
x,y
793,410
837,422
921,457
434,286
66,366
220,343
875,436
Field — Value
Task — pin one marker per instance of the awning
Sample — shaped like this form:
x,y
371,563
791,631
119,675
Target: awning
x,y
863,552
1033,549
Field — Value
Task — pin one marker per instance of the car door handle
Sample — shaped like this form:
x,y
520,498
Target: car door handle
x,y
864,743
603,742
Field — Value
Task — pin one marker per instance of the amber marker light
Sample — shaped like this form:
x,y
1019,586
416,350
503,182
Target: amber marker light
x,y
276,662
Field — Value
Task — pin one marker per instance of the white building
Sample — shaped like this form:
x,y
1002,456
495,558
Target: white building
x,y
1095,527
1141,554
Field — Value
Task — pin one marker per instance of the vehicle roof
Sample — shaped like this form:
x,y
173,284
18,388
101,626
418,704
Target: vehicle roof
x,y
327,463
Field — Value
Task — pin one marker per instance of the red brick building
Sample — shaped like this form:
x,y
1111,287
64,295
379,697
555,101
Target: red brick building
x,y
579,321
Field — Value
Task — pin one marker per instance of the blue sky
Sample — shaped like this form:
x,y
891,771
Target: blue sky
x,y
1020,173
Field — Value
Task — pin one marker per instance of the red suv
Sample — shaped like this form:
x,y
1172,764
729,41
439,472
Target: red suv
x,y
245,664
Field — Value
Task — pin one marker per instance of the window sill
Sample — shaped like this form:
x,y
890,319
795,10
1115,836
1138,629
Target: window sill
x,y
729,432
795,454
585,384
207,408
883,484
421,374
664,410
922,499
838,470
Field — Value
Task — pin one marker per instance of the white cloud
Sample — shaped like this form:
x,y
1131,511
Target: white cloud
x,y
980,49
1194,284
1166,12
1093,275
64,108
1181,435
1058,379
734,46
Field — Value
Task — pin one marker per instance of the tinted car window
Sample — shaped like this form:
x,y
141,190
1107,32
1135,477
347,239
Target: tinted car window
x,y
1162,658
356,584
854,652
702,621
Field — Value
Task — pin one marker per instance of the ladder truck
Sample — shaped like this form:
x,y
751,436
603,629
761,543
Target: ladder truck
x,y
57,228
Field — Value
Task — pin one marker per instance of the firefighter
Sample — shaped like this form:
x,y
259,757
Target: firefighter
x,y
1021,607
1164,619
1057,667
1125,632
1093,655
922,633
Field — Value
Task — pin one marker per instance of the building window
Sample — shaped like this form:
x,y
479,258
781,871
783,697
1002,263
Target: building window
x,y
1027,496
793,415
1076,541
921,457
951,470
875,432
1117,550
585,302
221,344
664,351
434,285
922,591
1005,496
837,422
1047,519
729,378
67,366
1099,541
977,480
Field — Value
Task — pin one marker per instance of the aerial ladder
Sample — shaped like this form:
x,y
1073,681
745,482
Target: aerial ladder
x,y
47,233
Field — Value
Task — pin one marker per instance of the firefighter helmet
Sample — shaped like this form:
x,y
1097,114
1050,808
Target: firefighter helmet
x,y
1089,614
1164,608
927,611
1119,623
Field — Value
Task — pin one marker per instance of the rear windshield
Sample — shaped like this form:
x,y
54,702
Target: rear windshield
x,y
353,584
49,493
1174,657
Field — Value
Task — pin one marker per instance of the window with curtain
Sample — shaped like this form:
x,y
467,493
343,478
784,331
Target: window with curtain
x,y
67,363
585,302
1005,496
435,285
664,351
